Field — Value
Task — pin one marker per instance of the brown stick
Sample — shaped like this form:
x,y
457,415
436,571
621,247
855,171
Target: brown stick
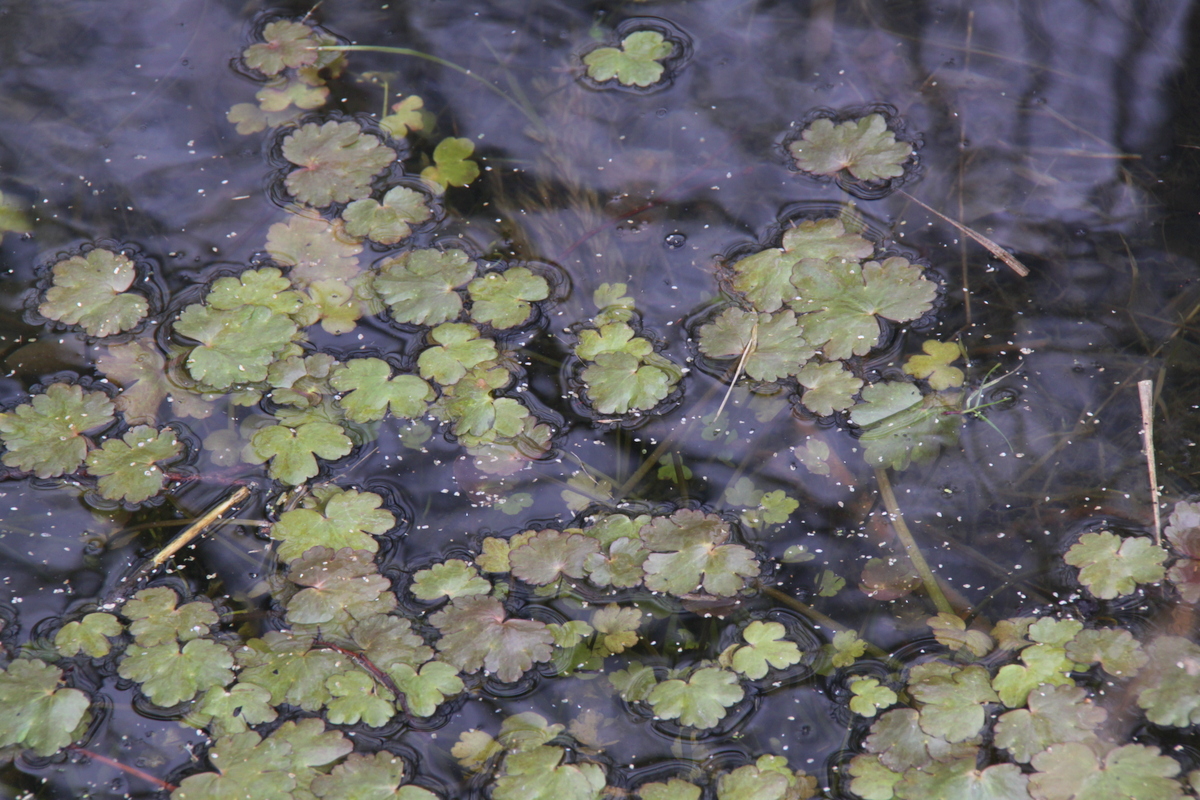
x,y
995,249
199,527
1146,397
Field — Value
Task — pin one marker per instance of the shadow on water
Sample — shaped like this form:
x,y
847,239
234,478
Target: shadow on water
x,y
1064,131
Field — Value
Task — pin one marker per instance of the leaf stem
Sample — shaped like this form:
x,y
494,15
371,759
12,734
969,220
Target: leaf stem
x,y
364,662
134,771
910,545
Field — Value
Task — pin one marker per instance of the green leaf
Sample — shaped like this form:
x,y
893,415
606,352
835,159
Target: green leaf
x,y
829,584
336,162
953,697
899,426
699,702
341,586
388,641
901,744
452,578
634,683
688,555
358,697
348,518
616,628
88,635
673,789
237,345
864,147
613,304
871,780
870,697
537,774
140,370
293,451
961,780
1169,686
750,783
847,648
256,287
612,337
502,299
368,777
952,632
1073,771
128,467
779,350
935,367
621,566
474,748
618,383
764,646
1056,714
476,632
286,44
170,674
281,93
459,348
1112,567
425,690
451,165
636,63
526,731
1118,653
548,555
89,291
313,249
1056,632
388,222
155,620
827,240
284,665
225,712
34,712
828,387
1043,664
45,435
407,115
371,391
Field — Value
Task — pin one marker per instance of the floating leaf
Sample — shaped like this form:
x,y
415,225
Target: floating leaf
x,y
389,641
953,697
829,584
750,783
36,713
459,348
336,161
45,435
249,118
618,383
621,566
525,731
388,222
1169,686
870,697
1043,664
293,451
356,697
829,387
89,635
476,632
368,777
847,648
537,774
700,701
341,586
901,744
474,748
613,304
371,391
636,63
286,44
864,147
871,780
934,366
237,345
451,165
764,646
779,348
548,555
128,467
960,779
1118,653
225,712
1056,714
502,299
452,578
407,115
900,426
89,291
170,674
616,627
348,518
155,620
673,789
952,632
1111,566
428,688
1073,771
313,249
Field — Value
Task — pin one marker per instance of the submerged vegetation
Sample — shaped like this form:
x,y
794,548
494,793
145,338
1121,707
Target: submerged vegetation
x,y
656,591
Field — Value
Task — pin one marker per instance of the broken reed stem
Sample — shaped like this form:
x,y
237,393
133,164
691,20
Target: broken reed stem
x,y
1146,397
995,249
910,544
737,373
199,527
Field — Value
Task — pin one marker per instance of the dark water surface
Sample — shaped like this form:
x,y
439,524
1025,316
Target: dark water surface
x,y
1064,131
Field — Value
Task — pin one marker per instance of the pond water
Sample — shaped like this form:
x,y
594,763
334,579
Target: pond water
x,y
1061,131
